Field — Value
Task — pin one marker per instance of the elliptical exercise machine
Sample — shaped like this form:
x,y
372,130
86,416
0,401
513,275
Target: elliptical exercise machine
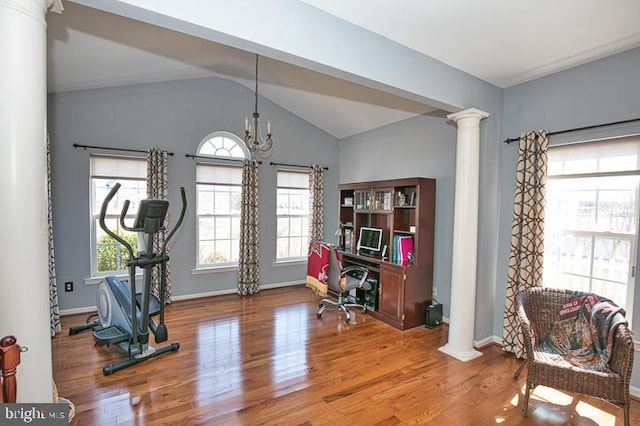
x,y
124,316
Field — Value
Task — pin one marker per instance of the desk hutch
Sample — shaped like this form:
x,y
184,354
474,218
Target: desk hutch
x,y
401,290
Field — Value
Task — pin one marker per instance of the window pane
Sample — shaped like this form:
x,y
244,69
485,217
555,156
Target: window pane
x,y
297,247
223,251
611,259
205,199
295,229
206,250
616,210
206,228
283,227
282,202
222,200
282,248
612,290
235,227
111,256
223,228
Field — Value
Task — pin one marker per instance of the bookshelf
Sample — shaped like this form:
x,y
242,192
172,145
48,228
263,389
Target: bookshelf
x,y
403,209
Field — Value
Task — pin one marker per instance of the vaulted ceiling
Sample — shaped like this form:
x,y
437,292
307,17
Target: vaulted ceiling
x,y
500,41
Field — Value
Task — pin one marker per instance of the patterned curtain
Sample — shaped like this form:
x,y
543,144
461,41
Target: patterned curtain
x,y
54,310
249,262
157,188
527,232
316,189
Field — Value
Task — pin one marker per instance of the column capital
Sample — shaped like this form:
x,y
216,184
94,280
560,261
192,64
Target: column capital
x,y
468,113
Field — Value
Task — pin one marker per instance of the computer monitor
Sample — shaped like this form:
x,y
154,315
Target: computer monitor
x,y
370,240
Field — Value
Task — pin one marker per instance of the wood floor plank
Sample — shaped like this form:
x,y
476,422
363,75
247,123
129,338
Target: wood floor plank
x,y
268,360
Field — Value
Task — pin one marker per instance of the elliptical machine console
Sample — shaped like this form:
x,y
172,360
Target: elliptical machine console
x,y
124,316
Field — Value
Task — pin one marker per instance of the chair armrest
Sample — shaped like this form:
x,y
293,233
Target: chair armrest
x,y
354,268
527,332
622,353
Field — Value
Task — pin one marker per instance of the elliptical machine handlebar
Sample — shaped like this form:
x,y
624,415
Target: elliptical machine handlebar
x,y
123,214
103,214
175,228
160,332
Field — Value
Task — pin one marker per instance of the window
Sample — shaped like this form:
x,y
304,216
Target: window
x,y
108,256
293,215
592,218
218,188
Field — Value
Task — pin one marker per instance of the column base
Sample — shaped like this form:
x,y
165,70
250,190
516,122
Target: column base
x,y
463,356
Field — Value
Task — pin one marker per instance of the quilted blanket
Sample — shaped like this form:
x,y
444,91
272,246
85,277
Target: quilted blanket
x,y
317,267
583,331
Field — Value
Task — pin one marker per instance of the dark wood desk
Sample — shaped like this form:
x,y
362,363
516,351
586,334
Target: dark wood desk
x,y
403,292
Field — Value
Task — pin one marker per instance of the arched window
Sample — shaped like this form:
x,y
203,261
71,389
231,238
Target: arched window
x,y
223,145
219,192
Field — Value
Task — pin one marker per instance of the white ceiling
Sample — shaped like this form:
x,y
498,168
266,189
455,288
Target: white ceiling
x,y
504,42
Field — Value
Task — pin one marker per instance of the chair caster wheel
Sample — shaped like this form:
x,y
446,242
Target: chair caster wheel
x,y
347,320
363,310
318,315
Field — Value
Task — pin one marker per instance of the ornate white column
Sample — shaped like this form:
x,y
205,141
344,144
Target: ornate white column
x,y
465,236
24,282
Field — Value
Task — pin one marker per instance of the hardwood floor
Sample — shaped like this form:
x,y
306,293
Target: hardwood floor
x,y
268,360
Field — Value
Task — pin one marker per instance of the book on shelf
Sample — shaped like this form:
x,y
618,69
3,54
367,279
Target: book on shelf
x,y
402,248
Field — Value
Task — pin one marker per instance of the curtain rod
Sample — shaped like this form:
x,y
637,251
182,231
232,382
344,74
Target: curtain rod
x,y
595,126
76,145
234,160
295,165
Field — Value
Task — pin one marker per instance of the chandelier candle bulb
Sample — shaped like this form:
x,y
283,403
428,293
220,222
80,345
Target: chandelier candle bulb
x,y
268,127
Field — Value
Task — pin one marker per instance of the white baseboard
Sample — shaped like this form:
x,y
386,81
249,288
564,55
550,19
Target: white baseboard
x,y
73,311
89,309
232,291
486,341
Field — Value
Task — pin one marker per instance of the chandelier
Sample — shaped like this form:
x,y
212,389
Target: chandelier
x,y
258,146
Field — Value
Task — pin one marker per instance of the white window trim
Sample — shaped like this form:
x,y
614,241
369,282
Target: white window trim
x,y
216,160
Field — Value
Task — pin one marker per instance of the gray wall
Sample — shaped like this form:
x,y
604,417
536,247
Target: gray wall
x,y
174,116
600,92
419,147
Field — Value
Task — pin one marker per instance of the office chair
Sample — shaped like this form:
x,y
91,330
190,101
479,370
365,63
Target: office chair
x,y
340,281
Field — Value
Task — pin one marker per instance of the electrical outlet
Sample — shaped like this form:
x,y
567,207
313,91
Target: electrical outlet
x,y
68,286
